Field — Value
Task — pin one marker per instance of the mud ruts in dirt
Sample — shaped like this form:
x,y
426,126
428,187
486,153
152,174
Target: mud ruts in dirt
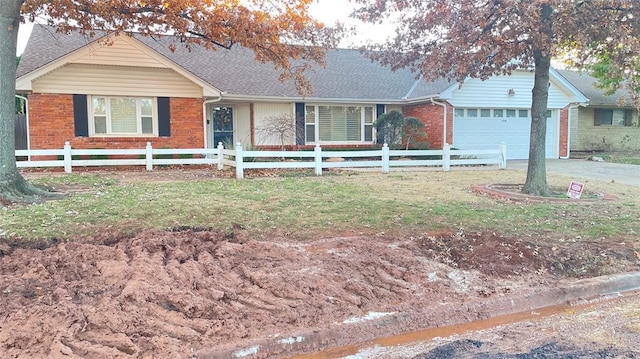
x,y
170,294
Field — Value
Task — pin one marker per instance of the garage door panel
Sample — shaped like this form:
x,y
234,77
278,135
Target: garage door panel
x,y
489,133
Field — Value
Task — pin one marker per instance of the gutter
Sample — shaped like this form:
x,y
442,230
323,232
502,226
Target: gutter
x,y
26,104
313,100
444,122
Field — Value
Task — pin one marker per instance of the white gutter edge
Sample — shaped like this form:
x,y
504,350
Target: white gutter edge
x,y
444,128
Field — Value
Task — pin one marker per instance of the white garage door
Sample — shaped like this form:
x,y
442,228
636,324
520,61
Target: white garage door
x,y
475,128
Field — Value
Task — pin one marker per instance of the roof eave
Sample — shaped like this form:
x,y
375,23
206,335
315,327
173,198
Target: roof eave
x,y
239,97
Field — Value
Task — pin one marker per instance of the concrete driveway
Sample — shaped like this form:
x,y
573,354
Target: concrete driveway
x,y
581,169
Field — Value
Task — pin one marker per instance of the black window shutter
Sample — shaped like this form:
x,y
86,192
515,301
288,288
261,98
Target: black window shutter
x,y
80,116
164,117
300,123
380,109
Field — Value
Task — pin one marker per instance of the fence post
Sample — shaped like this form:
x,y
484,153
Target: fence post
x,y
149,156
67,157
220,156
385,158
239,161
317,151
446,157
503,156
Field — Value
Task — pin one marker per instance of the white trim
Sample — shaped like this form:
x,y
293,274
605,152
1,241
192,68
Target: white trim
x,y
249,98
108,124
554,77
563,83
363,124
444,129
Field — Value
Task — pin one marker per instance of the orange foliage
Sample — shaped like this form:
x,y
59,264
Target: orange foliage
x,y
281,32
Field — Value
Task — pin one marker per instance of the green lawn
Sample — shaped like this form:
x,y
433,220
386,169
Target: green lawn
x,y
302,207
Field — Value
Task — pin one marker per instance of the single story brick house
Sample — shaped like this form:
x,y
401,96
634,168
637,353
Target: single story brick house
x,y
125,91
604,124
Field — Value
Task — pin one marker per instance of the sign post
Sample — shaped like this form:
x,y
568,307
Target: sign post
x,y
575,190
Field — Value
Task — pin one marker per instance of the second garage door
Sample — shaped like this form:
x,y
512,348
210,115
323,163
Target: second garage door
x,y
480,128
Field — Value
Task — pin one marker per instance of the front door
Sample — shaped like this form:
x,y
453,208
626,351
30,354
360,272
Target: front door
x,y
222,117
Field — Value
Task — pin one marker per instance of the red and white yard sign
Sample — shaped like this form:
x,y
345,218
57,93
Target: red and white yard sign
x,y
575,190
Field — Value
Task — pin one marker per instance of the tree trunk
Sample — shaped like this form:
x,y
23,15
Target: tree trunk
x,y
536,182
12,186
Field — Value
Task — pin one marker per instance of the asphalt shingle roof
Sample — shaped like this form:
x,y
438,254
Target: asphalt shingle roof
x,y
587,85
347,75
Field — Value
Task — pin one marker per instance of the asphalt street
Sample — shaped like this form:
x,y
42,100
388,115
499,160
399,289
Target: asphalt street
x,y
581,169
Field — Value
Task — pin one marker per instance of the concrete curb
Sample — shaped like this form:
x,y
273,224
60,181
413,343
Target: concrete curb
x,y
343,334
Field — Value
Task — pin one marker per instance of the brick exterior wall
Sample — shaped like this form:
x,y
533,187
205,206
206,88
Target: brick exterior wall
x,y
432,116
51,125
564,131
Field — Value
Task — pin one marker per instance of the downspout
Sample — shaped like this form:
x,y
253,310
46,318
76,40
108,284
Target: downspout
x,y
444,128
571,108
26,107
204,117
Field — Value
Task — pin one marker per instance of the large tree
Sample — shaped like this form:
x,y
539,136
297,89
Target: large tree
x,y
457,39
278,31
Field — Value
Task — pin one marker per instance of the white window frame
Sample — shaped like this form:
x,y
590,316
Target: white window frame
x,y
363,124
138,133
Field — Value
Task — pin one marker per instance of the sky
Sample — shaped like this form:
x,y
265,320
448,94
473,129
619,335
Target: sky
x,y
327,11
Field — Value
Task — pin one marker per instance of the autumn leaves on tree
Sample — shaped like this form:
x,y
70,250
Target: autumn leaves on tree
x,y
280,31
456,39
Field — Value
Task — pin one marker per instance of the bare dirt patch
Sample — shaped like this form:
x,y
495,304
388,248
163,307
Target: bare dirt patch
x,y
193,292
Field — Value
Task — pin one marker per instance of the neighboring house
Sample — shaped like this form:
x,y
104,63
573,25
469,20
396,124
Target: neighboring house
x,y
604,124
124,91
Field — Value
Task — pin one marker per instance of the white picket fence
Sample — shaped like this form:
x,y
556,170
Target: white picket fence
x,y
317,159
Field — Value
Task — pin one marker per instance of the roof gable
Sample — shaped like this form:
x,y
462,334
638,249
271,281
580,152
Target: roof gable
x,y
118,50
587,84
74,48
511,90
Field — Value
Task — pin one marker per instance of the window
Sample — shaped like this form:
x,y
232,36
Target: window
x,y
123,116
487,112
612,117
325,123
